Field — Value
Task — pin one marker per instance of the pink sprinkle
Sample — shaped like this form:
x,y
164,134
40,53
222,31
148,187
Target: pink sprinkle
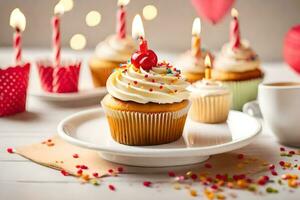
x,y
207,165
75,155
110,171
111,187
240,156
65,173
96,175
194,176
282,149
171,174
10,150
120,169
147,183
281,163
274,173
271,167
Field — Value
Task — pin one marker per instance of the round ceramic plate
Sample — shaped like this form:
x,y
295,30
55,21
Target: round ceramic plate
x,y
82,94
89,129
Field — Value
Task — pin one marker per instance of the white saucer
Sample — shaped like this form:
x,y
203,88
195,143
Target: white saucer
x,y
82,94
89,129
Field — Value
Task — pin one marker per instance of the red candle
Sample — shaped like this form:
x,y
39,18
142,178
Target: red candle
x,y
58,11
18,22
121,20
143,45
235,30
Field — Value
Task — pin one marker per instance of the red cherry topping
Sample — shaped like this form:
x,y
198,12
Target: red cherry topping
x,y
145,60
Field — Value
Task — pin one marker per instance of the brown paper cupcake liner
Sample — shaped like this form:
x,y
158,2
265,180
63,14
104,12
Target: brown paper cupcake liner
x,y
210,109
138,128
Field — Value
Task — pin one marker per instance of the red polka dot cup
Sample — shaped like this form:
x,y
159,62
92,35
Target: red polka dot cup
x,y
291,48
61,79
13,89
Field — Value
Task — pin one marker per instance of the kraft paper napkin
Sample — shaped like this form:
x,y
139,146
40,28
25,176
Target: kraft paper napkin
x,y
57,154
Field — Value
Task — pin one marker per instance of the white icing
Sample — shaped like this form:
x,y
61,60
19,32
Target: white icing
x,y
116,49
241,59
141,82
208,88
189,63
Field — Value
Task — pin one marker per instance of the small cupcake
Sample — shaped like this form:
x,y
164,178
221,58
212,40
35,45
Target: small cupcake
x,y
210,100
238,67
191,63
109,54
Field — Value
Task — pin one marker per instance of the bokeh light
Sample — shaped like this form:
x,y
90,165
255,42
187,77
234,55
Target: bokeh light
x,y
149,12
78,42
67,4
93,18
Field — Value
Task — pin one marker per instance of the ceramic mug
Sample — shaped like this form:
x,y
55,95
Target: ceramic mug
x,y
280,106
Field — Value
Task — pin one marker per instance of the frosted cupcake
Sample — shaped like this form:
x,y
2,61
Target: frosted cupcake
x,y
113,51
238,67
210,100
191,63
109,54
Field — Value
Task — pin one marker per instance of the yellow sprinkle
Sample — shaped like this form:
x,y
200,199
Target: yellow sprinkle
x,y
189,173
193,193
292,183
242,183
86,177
220,196
209,194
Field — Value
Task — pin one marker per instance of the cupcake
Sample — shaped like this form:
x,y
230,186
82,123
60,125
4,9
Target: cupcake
x,y
210,100
109,54
191,63
238,67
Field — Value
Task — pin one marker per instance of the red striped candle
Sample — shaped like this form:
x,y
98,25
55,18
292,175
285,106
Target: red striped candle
x,y
235,30
121,21
58,11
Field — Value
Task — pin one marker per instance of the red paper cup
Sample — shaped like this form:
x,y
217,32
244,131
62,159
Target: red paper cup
x,y
60,79
13,89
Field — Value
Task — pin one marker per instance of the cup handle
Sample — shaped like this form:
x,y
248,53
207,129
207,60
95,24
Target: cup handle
x,y
252,108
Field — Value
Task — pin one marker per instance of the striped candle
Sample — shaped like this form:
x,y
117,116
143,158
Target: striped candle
x,y
58,11
235,40
121,22
18,45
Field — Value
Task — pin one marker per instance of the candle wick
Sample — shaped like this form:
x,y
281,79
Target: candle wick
x,y
18,30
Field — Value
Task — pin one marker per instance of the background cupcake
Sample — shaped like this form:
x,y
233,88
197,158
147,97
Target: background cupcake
x,y
113,51
210,99
191,63
238,67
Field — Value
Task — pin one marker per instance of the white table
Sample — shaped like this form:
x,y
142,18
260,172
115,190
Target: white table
x,y
22,179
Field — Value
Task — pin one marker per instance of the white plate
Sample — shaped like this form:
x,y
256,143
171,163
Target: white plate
x,y
89,129
82,94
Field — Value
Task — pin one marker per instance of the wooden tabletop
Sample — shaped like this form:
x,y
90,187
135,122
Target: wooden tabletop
x,y
23,179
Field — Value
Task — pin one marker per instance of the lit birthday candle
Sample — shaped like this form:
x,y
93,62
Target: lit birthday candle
x,y
18,22
235,30
207,63
121,19
139,33
58,11
196,40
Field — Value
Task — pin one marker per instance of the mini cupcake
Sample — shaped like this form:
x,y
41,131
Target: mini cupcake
x,y
191,63
109,54
238,68
210,100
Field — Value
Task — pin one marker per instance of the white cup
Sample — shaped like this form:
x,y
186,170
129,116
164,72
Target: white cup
x,y
280,106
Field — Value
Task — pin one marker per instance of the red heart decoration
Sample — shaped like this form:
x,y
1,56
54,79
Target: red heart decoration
x,y
291,48
145,60
212,10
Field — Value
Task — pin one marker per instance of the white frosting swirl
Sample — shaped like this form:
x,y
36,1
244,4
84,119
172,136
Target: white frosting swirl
x,y
189,63
241,59
159,85
208,88
116,49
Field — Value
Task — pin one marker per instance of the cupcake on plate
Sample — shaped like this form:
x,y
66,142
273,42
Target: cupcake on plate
x,y
238,67
114,50
191,63
210,99
147,102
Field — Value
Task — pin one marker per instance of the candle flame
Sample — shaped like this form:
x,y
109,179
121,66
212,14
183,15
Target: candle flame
x,y
59,9
196,30
234,12
207,61
123,2
137,27
17,19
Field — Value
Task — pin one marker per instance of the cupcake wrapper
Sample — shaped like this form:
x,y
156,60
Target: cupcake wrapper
x,y
242,91
137,128
13,89
61,79
210,109
101,75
